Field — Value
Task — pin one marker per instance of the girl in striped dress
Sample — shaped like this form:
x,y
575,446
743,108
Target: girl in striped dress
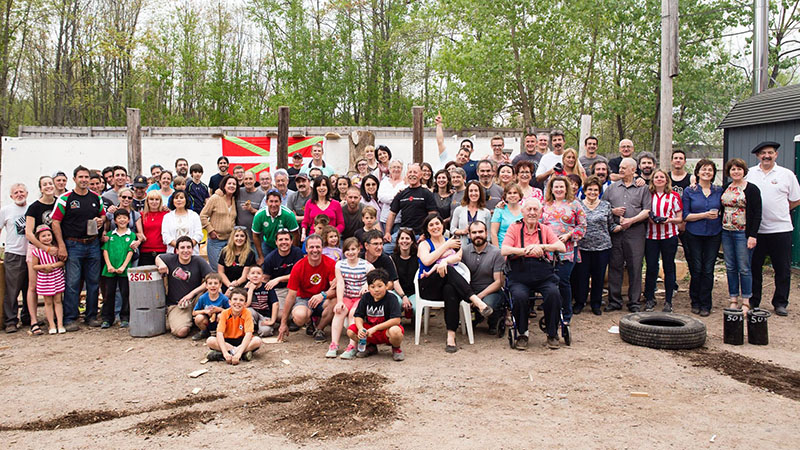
x,y
351,283
49,280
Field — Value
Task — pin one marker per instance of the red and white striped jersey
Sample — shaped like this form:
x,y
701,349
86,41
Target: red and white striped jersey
x,y
664,205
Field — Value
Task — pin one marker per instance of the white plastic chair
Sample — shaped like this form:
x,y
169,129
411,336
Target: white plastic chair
x,y
423,309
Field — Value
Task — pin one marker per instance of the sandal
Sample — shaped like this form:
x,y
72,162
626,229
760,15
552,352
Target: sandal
x,y
35,330
745,308
734,305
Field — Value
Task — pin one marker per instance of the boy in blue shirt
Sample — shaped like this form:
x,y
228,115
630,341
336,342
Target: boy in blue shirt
x,y
208,307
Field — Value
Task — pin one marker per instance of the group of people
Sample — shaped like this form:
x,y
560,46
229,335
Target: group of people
x,y
304,247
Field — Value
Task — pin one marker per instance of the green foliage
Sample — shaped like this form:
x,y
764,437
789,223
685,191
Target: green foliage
x,y
521,63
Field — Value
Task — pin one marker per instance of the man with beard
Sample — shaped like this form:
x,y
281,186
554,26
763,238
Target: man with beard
x,y
12,218
485,264
494,193
222,166
182,167
780,193
415,202
647,165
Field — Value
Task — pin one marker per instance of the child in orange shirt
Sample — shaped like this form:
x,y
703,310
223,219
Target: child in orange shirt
x,y
234,340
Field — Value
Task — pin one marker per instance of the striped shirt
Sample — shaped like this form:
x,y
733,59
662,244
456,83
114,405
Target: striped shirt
x,y
354,277
48,283
664,205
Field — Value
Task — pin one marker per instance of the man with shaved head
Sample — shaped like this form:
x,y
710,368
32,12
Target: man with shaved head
x,y
625,151
630,205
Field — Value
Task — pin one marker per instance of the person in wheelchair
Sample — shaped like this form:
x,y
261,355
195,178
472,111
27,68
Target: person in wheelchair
x,y
530,268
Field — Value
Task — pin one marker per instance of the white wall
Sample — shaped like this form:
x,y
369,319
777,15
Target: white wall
x,y
26,159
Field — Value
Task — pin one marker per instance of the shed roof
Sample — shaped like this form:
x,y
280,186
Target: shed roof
x,y
773,105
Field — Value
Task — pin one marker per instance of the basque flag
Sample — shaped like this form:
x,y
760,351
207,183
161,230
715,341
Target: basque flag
x,y
258,154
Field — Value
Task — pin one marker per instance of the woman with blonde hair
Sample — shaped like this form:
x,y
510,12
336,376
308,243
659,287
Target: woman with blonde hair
x,y
235,259
571,165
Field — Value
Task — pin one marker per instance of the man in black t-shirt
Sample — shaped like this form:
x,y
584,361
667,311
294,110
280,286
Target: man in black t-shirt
x,y
297,164
278,264
351,211
680,178
185,274
415,202
78,218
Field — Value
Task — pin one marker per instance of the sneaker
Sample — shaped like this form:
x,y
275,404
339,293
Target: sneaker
x,y
62,330
705,313
397,354
522,343
124,324
248,356
105,325
781,311
201,335
650,306
370,350
11,329
72,326
332,351
349,352
667,308
94,323
310,329
695,310
319,336
552,343
214,355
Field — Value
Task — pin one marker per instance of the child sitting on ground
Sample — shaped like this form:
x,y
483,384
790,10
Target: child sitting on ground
x,y
49,279
351,284
117,254
377,317
369,215
330,236
234,339
208,307
262,302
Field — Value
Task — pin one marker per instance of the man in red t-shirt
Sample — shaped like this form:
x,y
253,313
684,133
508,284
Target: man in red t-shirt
x,y
312,291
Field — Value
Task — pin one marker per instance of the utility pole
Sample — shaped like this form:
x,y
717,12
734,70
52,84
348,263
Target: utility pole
x,y
669,69
416,142
760,45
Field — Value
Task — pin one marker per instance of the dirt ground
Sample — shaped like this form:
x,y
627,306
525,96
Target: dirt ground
x,y
103,389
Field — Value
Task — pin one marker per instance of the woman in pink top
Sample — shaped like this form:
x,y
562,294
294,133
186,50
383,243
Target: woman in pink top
x,y
320,203
566,218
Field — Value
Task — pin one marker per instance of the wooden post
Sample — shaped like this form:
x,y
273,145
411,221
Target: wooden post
x,y
134,142
283,137
416,113
586,131
669,69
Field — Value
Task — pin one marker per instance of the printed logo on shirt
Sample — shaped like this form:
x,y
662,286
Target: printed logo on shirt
x,y
315,279
19,224
74,204
375,311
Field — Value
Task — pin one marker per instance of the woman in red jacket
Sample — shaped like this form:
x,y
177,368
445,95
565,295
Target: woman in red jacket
x,y
152,217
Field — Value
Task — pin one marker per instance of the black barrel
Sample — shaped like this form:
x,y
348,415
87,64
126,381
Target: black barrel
x,y
757,332
733,326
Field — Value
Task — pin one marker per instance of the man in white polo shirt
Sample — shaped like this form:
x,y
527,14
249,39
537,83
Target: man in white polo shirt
x,y
780,193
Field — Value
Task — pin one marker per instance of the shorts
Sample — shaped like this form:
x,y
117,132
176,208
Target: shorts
x,y
29,253
178,318
234,341
304,302
377,338
351,303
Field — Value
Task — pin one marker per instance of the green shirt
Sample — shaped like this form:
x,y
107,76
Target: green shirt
x,y
268,226
118,247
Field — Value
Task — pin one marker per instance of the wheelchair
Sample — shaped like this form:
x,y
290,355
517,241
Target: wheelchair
x,y
507,324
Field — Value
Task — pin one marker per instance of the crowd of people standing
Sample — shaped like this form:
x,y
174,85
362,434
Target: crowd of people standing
x,y
305,247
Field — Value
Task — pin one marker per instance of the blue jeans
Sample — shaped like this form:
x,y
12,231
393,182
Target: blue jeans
x,y
667,248
214,248
388,248
737,263
495,299
82,259
564,270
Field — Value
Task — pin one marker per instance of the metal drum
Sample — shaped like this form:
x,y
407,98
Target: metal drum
x,y
148,302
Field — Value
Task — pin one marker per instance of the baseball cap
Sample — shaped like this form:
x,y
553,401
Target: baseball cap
x,y
140,181
302,175
297,155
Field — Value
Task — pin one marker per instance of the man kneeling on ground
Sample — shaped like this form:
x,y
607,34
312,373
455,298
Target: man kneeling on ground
x,y
312,292
185,274
234,340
